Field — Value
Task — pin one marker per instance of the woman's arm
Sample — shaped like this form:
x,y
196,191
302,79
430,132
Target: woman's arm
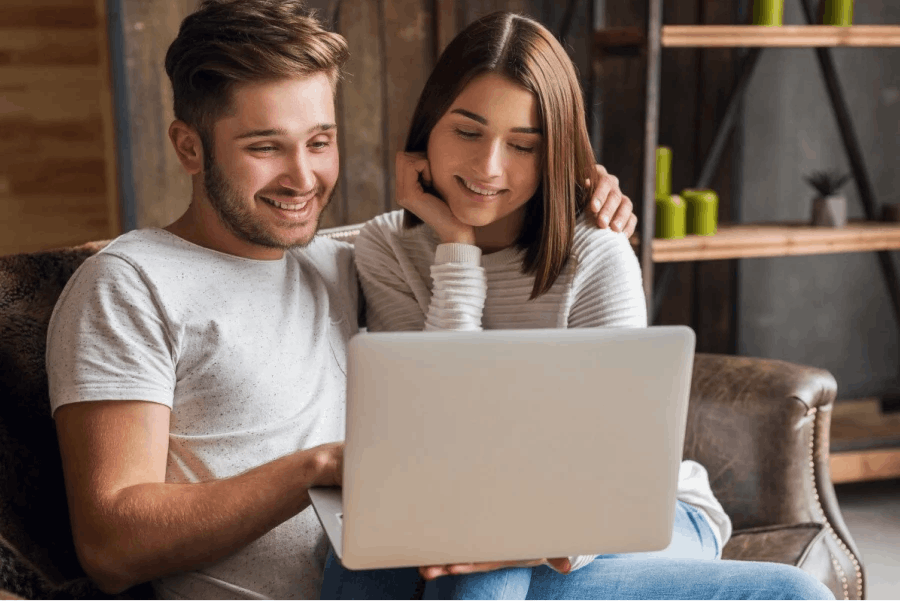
x,y
411,285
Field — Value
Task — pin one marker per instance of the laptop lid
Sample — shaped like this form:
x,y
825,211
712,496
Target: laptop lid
x,y
512,444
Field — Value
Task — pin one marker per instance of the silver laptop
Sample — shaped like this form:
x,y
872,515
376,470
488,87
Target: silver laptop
x,y
509,445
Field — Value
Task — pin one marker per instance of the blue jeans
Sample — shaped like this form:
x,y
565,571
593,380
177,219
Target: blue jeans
x,y
687,569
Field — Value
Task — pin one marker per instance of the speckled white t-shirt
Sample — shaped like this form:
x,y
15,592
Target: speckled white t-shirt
x,y
249,355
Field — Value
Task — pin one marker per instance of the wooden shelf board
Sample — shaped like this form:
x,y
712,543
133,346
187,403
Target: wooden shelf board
x,y
859,466
865,442
860,425
744,241
787,36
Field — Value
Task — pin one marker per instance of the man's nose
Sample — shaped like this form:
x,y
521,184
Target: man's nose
x,y
298,173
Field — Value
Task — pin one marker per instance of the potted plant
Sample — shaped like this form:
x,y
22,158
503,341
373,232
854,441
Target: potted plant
x,y
829,207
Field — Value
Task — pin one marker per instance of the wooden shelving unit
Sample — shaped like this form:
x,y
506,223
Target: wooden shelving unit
x,y
747,241
788,36
866,455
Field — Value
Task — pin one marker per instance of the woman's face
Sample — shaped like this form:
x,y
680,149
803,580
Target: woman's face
x,y
485,153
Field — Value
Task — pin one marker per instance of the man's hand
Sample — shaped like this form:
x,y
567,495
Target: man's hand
x,y
561,564
608,205
329,464
412,172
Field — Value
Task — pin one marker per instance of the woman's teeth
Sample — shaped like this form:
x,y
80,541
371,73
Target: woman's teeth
x,y
297,206
478,190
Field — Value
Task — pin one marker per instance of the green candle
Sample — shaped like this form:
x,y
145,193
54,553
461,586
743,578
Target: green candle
x,y
663,171
767,12
839,12
702,211
670,216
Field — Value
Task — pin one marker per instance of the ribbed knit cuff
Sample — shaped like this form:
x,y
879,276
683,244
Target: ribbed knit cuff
x,y
455,252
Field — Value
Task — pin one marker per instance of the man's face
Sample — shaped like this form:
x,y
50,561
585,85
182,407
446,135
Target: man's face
x,y
273,164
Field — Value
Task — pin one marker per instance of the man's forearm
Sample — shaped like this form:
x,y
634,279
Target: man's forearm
x,y
149,530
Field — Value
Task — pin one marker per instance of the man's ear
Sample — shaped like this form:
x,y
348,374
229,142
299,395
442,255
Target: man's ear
x,y
188,147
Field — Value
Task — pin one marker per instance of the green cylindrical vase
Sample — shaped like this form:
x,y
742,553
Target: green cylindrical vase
x,y
670,216
838,12
663,171
768,12
702,212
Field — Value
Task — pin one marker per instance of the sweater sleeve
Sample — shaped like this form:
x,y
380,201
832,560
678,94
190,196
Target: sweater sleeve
x,y
460,289
399,295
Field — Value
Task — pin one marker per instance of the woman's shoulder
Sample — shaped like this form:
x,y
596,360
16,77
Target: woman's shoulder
x,y
384,224
385,234
591,241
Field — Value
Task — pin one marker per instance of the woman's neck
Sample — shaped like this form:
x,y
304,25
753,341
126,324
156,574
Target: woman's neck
x,y
500,234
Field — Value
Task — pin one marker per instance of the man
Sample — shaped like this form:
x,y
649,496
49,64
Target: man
x,y
197,372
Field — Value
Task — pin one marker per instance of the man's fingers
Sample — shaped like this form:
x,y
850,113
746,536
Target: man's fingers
x,y
631,227
624,211
600,201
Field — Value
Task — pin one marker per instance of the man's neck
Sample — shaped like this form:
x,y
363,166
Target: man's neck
x,y
201,225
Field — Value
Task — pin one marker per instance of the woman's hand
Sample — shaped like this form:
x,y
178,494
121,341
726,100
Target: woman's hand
x,y
609,206
561,564
412,172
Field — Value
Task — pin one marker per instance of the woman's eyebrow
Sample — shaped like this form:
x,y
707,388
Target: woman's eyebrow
x,y
483,121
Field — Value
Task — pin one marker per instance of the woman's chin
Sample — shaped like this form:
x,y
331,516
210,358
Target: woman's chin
x,y
473,217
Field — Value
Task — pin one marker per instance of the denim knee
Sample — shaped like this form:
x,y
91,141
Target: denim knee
x,y
790,582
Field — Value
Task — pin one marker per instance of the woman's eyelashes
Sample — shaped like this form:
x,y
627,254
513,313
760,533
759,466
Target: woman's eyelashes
x,y
466,134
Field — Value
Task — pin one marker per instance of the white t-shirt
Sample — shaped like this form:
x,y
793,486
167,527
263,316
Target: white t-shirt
x,y
412,282
249,355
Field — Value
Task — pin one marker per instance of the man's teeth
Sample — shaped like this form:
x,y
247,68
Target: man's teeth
x,y
296,206
478,190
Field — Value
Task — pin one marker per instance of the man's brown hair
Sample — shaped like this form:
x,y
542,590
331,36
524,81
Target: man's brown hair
x,y
230,42
522,50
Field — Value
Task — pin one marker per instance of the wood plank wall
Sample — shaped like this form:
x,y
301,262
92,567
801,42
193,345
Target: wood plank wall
x,y
393,45
57,162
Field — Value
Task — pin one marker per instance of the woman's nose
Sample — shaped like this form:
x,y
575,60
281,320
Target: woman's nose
x,y
490,160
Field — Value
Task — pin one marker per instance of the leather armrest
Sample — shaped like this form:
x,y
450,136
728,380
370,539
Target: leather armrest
x,y
761,429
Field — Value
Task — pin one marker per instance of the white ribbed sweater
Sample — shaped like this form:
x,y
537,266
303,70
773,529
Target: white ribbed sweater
x,y
412,282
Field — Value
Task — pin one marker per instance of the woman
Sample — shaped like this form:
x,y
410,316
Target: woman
x,y
493,183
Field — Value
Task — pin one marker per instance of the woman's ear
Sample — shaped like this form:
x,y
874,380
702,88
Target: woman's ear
x,y
188,147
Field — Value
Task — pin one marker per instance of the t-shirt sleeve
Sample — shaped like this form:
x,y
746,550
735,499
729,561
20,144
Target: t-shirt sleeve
x,y
108,338
608,289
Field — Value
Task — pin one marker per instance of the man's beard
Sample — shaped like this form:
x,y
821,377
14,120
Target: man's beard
x,y
227,200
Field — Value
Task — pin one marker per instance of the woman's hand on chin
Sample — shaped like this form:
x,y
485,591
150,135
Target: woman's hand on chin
x,y
608,206
412,173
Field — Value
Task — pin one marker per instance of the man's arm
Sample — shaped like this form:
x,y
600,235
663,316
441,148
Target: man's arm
x,y
130,526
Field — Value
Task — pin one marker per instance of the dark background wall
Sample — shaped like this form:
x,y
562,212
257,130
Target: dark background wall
x,y
831,311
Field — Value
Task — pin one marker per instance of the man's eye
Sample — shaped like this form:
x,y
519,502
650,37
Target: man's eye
x,y
263,148
320,144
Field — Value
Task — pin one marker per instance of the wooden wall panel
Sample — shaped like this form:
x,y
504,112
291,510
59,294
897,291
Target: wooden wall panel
x,y
715,282
679,85
57,165
162,189
408,46
362,110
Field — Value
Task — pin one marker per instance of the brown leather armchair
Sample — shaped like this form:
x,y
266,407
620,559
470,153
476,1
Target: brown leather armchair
x,y
759,426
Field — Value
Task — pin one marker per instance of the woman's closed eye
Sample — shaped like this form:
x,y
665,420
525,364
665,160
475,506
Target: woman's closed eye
x,y
466,134
523,149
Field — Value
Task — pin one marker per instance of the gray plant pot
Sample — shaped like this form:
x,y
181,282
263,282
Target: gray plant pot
x,y
830,211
